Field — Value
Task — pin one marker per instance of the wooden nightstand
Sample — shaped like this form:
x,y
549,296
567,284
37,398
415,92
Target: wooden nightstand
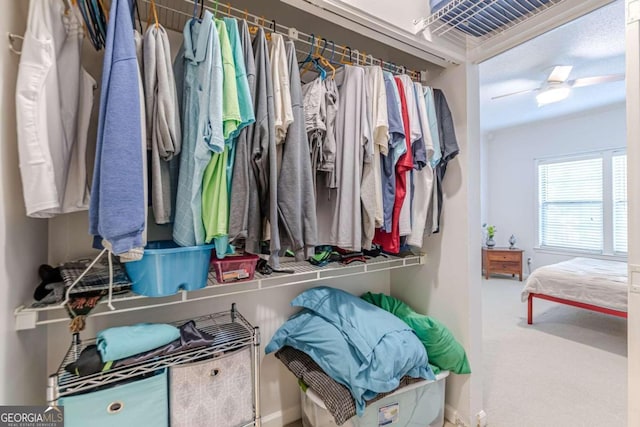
x,y
502,260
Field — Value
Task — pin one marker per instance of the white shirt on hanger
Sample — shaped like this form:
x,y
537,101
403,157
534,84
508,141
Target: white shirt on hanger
x,y
281,90
377,102
416,133
422,179
54,98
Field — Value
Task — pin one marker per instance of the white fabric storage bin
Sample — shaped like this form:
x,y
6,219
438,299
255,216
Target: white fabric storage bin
x,y
215,392
420,404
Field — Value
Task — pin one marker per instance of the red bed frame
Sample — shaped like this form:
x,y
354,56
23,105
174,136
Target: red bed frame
x,y
572,303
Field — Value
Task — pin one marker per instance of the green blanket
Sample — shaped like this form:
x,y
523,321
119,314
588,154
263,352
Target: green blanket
x,y
442,348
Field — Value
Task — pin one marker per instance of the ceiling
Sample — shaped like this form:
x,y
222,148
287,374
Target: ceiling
x,y
593,44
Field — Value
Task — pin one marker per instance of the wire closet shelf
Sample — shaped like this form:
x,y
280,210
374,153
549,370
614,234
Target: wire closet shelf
x,y
231,331
470,23
173,15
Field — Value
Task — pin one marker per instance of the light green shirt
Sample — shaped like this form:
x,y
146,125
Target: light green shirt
x,y
215,197
231,118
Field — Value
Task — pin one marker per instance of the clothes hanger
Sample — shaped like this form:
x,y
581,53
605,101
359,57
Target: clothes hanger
x,y
215,10
88,27
152,12
324,62
310,54
254,29
312,61
356,52
344,51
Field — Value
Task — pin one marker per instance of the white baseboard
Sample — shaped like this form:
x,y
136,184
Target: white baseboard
x,y
452,415
281,418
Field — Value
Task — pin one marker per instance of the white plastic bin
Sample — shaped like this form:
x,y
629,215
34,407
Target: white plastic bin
x,y
419,404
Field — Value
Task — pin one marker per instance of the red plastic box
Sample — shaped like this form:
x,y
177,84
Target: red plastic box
x,y
235,268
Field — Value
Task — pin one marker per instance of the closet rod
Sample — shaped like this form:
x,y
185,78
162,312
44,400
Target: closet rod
x,y
339,51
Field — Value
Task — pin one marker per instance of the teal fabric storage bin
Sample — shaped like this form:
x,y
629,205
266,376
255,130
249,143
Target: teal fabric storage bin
x,y
135,404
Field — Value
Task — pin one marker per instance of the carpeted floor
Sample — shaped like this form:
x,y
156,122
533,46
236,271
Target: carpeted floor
x,y
568,369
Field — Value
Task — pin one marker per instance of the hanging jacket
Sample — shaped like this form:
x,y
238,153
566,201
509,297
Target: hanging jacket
x,y
54,97
243,181
163,120
262,142
296,197
117,209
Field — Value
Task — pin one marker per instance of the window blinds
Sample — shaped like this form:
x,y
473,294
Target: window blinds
x,y
619,171
571,204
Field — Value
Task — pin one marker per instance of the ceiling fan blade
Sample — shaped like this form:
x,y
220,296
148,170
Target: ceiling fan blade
x,y
515,93
560,73
588,81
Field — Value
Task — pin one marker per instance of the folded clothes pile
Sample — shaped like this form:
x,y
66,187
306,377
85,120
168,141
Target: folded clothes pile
x,y
94,285
129,345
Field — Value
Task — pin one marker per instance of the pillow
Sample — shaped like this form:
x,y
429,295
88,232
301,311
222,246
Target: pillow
x,y
323,342
383,342
443,349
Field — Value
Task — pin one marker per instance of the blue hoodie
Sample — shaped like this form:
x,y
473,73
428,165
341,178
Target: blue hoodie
x,y
117,209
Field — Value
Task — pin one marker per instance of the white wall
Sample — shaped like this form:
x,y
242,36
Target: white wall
x,y
23,241
447,287
511,180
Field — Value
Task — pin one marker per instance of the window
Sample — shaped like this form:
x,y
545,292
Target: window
x,y
619,167
582,203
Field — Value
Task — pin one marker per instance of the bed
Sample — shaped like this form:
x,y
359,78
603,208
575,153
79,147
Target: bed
x,y
592,284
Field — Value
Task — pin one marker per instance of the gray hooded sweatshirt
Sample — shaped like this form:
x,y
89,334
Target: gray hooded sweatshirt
x,y
296,196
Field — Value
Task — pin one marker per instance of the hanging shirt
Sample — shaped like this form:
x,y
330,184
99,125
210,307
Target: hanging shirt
x,y
296,196
423,177
245,103
243,183
390,242
416,147
315,116
432,216
377,102
396,144
433,126
201,84
54,98
163,120
339,219
231,118
281,92
448,142
215,196
119,163
329,145
263,204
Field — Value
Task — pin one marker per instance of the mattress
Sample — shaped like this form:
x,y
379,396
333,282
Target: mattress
x,y
480,17
592,281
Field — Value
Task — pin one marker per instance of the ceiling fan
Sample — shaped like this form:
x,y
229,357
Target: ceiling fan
x,y
557,86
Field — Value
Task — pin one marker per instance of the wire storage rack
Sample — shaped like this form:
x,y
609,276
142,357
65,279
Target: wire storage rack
x,y
231,332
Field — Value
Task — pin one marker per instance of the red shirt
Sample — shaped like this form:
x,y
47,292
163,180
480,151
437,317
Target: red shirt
x,y
390,242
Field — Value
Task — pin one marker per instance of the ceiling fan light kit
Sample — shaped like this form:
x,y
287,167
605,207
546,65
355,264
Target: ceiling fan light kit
x,y
551,94
558,86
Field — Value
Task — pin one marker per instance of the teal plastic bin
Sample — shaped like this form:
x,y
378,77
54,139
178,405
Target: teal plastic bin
x,y
167,268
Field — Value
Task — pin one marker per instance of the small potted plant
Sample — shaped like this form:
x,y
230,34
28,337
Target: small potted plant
x,y
491,232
